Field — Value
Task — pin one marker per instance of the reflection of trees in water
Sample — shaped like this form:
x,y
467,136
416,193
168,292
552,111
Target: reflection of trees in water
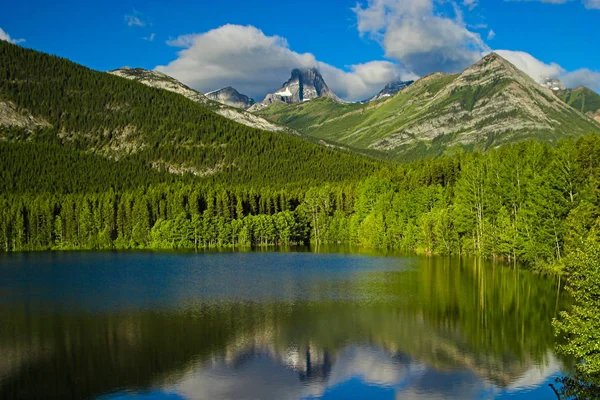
x,y
492,321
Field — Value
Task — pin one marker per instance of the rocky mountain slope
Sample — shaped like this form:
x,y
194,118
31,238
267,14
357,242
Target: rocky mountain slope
x,y
163,81
390,89
231,97
490,103
303,85
583,99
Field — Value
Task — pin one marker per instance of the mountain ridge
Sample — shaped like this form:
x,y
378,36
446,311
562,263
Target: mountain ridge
x,y
162,81
230,97
490,103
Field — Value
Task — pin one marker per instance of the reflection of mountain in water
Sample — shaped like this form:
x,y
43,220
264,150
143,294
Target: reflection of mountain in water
x,y
482,325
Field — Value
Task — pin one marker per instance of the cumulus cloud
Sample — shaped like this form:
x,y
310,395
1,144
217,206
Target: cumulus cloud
x,y
363,80
6,37
491,34
539,70
257,64
533,67
424,41
582,77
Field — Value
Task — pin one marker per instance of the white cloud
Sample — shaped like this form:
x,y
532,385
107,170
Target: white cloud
x,y
257,64
6,37
533,67
592,4
150,38
582,77
412,33
491,34
363,80
539,70
133,20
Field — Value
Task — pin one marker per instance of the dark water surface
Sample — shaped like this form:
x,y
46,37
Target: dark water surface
x,y
280,325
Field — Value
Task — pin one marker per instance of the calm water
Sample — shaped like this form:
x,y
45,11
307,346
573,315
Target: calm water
x,y
273,326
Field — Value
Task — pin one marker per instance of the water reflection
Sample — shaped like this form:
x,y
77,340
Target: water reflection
x,y
344,326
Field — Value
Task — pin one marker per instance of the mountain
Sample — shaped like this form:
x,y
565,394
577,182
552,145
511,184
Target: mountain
x,y
553,84
231,97
583,99
304,85
390,89
490,103
109,124
162,81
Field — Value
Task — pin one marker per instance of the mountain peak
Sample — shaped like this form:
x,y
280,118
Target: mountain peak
x,y
493,61
304,84
391,89
231,97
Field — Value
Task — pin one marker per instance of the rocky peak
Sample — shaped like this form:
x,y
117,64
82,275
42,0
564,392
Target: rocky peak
x,y
231,97
553,84
304,85
489,68
391,89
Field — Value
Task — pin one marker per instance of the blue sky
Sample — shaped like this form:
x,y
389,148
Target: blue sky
x,y
359,46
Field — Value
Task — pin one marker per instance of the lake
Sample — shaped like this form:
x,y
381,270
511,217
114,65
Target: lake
x,y
273,325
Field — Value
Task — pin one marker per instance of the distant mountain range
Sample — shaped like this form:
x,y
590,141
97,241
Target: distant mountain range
x,y
490,103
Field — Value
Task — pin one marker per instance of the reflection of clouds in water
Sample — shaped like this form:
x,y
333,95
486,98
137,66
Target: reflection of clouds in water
x,y
431,384
371,364
265,375
261,377
536,376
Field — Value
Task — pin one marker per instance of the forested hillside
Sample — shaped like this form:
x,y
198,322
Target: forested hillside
x,y
530,203
91,160
47,99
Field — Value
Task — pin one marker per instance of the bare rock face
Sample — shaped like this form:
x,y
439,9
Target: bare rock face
x,y
231,97
304,85
163,81
159,80
390,89
552,84
10,116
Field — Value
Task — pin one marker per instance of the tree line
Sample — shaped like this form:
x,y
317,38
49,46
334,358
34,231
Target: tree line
x,y
529,202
